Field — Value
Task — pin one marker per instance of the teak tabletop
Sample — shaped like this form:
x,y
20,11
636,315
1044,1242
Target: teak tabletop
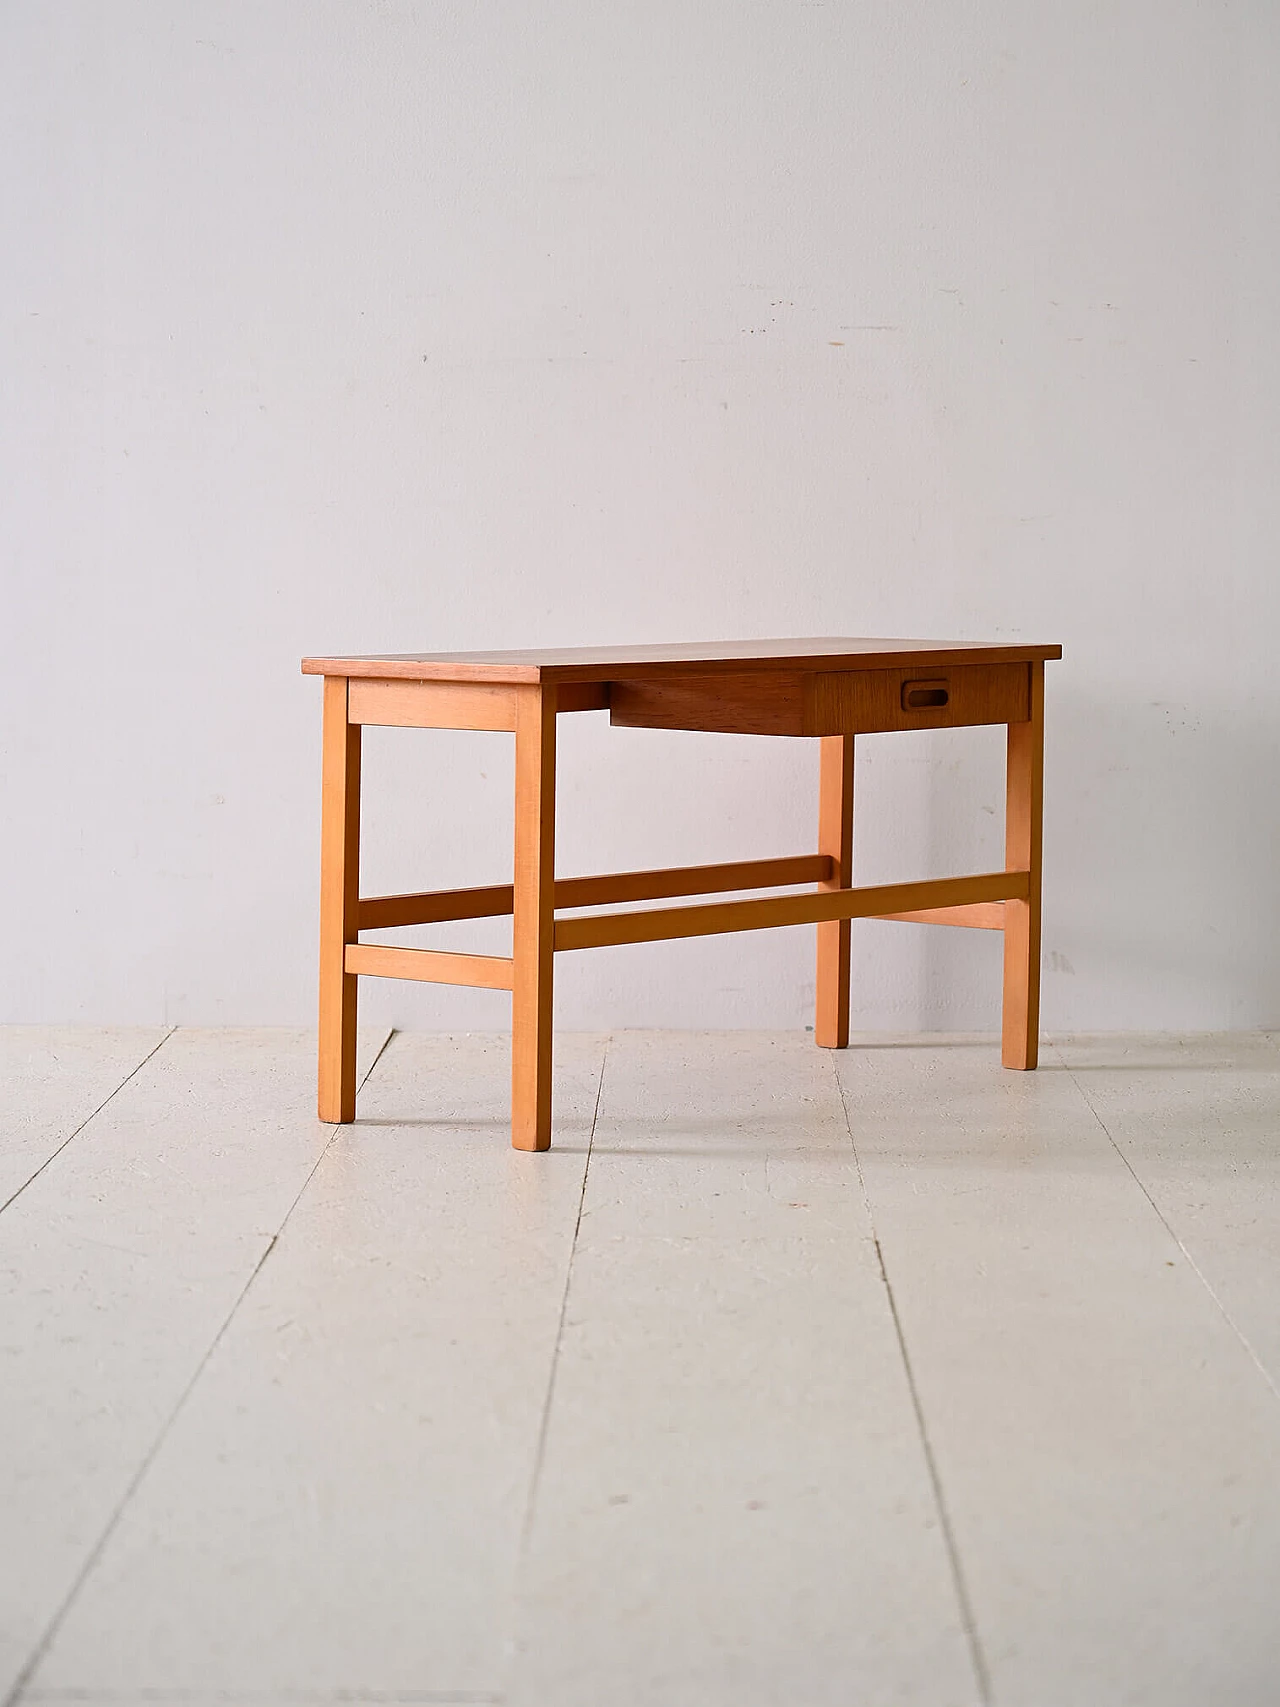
x,y
832,689
626,663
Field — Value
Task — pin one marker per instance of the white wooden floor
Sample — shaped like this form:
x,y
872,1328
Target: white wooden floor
x,y
786,1377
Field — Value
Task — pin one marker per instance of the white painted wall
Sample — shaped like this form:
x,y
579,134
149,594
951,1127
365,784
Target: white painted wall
x,y
376,325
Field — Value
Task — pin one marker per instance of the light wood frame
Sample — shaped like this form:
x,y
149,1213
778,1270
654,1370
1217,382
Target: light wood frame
x,y
1008,900
835,839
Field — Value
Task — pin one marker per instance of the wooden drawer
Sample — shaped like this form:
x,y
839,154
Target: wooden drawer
x,y
766,702
863,702
845,702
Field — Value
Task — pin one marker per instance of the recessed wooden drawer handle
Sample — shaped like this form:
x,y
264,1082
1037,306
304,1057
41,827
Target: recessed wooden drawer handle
x,y
924,696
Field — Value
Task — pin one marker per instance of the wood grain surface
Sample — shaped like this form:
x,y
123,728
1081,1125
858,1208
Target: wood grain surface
x,y
636,663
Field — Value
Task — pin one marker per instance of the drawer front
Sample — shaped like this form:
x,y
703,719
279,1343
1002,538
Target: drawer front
x,y
767,702
864,702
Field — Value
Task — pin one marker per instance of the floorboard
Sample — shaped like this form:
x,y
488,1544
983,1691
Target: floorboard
x,y
119,1266
1108,1449
735,1506
339,1507
55,1079
1198,1121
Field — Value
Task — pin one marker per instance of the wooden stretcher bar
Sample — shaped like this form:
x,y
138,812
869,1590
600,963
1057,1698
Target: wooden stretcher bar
x,y
662,923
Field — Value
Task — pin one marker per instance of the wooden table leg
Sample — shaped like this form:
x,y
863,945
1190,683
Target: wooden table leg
x,y
835,837
1024,805
339,898
534,918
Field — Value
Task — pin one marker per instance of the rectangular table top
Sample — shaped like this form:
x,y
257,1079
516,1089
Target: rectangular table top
x,y
712,657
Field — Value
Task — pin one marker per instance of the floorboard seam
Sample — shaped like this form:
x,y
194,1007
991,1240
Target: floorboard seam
x,y
544,1424
545,1421
15,1695
977,1658
13,1197
1194,1266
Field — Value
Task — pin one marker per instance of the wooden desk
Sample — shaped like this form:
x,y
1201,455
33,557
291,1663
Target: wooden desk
x,y
831,689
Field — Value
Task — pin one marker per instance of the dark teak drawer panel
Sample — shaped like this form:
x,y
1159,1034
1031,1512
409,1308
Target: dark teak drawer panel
x,y
769,702
854,702
844,702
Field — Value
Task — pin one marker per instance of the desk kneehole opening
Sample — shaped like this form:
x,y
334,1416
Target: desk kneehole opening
x,y
925,696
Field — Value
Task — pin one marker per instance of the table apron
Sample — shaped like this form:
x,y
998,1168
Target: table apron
x,y
401,704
